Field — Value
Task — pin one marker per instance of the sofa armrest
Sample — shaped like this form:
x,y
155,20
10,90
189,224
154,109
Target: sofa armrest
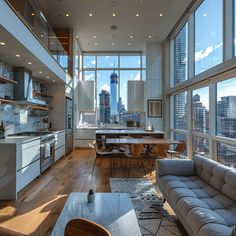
x,y
175,167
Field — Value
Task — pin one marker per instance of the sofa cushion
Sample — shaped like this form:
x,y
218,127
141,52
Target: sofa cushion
x,y
219,176
198,217
213,229
229,187
204,167
177,167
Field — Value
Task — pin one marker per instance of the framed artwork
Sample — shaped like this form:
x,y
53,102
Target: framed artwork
x,y
154,108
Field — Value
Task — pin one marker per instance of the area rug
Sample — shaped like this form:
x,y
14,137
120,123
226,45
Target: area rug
x,y
152,217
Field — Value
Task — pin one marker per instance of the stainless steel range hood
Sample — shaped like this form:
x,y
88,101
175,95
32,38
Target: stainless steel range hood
x,y
23,91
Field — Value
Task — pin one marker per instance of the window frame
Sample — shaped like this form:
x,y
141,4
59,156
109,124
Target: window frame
x,y
96,69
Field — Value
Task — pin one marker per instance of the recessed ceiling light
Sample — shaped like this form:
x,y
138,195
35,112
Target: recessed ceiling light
x,y
40,72
113,44
47,77
129,44
29,63
149,36
131,36
94,36
17,55
67,14
96,44
137,14
77,36
161,14
32,14
2,43
90,14
113,14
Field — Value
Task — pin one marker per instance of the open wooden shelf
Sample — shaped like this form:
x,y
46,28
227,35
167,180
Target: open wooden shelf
x,y
3,100
30,105
35,107
5,80
38,93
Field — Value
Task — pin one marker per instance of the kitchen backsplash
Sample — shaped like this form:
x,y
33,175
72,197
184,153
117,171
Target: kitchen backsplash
x,y
17,118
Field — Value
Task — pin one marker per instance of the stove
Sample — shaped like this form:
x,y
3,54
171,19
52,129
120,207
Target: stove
x,y
47,147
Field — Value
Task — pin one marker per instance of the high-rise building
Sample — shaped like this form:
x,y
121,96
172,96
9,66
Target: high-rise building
x,y
104,105
200,114
114,84
226,112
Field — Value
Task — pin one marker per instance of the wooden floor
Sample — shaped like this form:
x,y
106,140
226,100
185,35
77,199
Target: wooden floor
x,y
38,205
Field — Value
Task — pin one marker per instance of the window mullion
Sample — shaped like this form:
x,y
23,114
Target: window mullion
x,y
191,47
228,32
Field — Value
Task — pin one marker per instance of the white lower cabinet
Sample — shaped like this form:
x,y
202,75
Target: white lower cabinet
x,y
19,165
84,138
59,145
27,174
27,163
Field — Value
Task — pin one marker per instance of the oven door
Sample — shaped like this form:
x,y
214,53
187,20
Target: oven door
x,y
47,155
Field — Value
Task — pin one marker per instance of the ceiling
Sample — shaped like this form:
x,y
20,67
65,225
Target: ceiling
x,y
94,32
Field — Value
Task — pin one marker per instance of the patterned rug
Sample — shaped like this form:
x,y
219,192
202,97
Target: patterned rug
x,y
152,217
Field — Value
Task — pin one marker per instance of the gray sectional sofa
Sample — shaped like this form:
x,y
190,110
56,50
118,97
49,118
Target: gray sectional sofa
x,y
201,192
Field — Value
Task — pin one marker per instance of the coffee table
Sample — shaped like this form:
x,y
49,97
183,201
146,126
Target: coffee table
x,y
114,211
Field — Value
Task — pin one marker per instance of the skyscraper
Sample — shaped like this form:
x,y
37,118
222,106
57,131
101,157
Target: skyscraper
x,y
113,84
104,105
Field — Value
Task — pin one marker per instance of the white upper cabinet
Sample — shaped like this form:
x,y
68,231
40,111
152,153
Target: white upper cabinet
x,y
135,96
86,96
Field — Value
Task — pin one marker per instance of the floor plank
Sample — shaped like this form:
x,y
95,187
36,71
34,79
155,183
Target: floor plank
x,y
39,204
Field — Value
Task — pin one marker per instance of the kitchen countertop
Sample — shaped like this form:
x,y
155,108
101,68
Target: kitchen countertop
x,y
18,140
58,131
110,128
133,131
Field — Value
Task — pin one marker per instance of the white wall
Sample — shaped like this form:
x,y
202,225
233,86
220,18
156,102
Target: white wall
x,y
154,80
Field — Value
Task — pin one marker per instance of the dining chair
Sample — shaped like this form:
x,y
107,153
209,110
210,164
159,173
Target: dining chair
x,y
9,232
84,227
159,151
101,152
105,152
180,148
136,154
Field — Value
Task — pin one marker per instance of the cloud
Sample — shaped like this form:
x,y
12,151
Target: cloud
x,y
138,76
200,55
93,62
88,77
105,87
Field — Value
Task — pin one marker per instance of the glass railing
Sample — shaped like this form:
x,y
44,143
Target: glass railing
x,y
35,20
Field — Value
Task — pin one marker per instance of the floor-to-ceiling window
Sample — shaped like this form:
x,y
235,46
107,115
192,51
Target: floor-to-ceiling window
x,y
111,93
181,55
208,35
203,91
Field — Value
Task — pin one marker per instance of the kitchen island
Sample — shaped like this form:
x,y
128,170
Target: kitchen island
x,y
85,136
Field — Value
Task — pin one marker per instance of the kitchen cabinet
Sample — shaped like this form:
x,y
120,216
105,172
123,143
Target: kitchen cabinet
x,y
84,137
59,145
86,96
19,164
27,163
135,96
